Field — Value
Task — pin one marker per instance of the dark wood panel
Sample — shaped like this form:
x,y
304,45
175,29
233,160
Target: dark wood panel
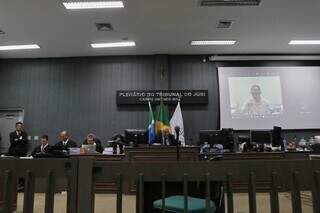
x,y
77,94
161,153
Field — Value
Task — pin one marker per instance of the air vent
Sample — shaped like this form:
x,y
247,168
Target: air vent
x,y
224,24
205,3
104,27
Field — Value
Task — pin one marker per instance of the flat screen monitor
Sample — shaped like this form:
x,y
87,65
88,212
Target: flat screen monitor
x,y
276,136
224,137
210,136
260,136
227,139
137,136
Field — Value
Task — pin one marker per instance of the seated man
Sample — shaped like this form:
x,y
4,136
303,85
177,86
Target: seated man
x,y
65,142
92,140
43,148
165,138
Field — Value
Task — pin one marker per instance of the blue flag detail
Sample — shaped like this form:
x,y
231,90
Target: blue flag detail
x,y
151,125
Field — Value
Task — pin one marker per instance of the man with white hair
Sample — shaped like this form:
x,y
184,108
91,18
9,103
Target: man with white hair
x,y
165,138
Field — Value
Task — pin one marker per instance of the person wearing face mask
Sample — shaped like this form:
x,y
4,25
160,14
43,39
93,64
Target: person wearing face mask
x,y
18,141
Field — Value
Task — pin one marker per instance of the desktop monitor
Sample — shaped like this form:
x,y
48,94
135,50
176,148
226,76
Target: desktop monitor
x,y
260,136
224,137
210,136
276,137
227,139
136,136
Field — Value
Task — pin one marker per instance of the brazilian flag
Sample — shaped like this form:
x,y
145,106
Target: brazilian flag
x,y
162,119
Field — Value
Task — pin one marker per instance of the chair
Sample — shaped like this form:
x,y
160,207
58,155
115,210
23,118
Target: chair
x,y
195,205
176,204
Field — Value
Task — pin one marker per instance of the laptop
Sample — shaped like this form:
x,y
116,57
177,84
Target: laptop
x,y
89,148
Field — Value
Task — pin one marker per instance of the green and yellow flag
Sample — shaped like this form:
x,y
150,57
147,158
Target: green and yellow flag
x,y
162,117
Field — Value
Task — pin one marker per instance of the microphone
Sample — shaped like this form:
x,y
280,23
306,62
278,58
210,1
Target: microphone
x,y
177,130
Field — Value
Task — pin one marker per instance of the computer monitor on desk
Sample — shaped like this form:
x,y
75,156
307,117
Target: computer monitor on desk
x,y
223,137
136,136
260,136
227,139
210,136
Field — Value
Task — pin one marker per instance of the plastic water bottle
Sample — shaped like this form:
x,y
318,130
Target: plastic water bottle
x,y
285,144
118,149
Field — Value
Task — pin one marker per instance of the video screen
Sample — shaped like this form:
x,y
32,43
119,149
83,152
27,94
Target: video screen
x,y
263,97
255,96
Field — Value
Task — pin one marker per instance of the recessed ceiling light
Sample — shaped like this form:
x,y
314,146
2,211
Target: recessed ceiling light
x,y
304,42
76,5
213,42
20,47
114,44
224,24
104,27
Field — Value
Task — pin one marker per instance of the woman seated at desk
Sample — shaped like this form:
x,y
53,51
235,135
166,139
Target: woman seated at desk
x,y
92,140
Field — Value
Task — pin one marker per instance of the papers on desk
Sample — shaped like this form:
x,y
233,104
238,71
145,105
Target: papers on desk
x,y
157,144
108,151
27,157
74,151
5,156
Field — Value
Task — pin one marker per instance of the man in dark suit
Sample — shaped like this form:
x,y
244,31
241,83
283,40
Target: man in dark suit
x,y
43,148
91,140
65,143
165,138
18,141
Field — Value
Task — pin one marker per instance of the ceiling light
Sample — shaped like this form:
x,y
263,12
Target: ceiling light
x,y
205,3
224,24
114,44
20,47
213,42
93,5
304,42
104,27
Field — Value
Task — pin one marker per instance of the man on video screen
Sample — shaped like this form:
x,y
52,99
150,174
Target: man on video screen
x,y
257,105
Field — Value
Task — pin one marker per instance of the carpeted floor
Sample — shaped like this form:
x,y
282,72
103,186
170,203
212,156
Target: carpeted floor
x,y
106,203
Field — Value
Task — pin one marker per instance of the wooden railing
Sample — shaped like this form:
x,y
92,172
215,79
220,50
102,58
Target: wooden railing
x,y
11,170
281,175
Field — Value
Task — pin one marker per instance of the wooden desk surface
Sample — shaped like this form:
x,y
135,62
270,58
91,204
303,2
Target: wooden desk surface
x,y
259,156
169,153
101,157
161,153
